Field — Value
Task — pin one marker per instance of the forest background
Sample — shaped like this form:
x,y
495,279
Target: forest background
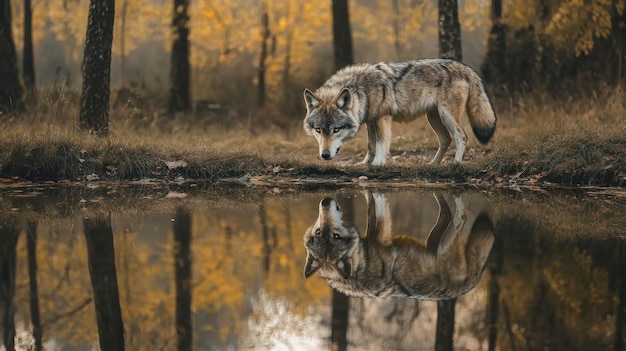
x,y
565,47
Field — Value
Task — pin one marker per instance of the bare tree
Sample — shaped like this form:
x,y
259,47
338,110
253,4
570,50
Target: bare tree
x,y
265,28
28,64
123,14
493,68
11,88
94,100
342,37
396,28
180,70
449,30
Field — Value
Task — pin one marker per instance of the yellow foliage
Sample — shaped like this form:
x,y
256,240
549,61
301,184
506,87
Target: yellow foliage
x,y
570,25
580,289
474,15
144,21
65,296
39,15
382,26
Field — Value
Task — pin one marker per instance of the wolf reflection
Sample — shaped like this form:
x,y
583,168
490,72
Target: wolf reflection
x,y
379,264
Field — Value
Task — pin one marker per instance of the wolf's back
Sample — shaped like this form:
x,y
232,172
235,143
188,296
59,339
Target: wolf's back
x,y
480,111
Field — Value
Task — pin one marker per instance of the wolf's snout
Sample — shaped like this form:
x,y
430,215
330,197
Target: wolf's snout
x,y
326,154
326,202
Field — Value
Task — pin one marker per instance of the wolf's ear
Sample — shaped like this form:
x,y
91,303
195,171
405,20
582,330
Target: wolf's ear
x,y
344,267
311,266
344,99
310,99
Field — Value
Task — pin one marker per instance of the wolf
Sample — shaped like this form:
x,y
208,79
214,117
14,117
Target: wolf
x,y
377,94
379,264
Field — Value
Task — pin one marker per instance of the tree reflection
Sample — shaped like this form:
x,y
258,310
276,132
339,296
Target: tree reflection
x,y
341,302
101,260
183,278
493,300
8,240
445,325
538,290
31,242
339,321
620,320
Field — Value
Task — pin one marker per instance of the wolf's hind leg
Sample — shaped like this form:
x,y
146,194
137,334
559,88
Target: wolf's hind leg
x,y
450,117
443,221
442,135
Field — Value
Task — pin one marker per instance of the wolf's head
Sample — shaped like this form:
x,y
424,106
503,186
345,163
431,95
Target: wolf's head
x,y
330,243
331,120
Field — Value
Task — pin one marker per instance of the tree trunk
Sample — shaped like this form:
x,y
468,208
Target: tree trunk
x,y
287,65
182,277
8,242
180,70
101,260
449,30
444,334
35,318
396,28
28,64
342,37
265,27
123,42
10,88
94,100
494,67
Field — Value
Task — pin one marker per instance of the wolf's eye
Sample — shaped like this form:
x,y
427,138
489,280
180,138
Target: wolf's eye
x,y
318,231
336,130
336,236
318,130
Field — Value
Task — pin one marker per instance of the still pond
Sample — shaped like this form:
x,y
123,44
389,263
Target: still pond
x,y
155,268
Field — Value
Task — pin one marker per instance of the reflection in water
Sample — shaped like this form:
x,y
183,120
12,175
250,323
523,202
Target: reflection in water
x,y
31,240
554,278
8,240
101,259
182,278
379,264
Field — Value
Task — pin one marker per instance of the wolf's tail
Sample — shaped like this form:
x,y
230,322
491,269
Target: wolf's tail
x,y
480,111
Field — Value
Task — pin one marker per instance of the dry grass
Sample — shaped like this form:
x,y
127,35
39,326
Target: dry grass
x,y
569,140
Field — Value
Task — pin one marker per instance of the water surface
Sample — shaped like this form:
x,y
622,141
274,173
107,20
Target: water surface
x,y
157,269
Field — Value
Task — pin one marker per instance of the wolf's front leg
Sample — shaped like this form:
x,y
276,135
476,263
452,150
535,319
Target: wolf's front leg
x,y
367,160
379,140
371,149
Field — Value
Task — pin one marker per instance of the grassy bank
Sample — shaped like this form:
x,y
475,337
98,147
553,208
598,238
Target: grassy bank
x,y
538,140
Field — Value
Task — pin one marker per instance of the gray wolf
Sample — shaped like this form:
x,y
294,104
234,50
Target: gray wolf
x,y
379,264
375,94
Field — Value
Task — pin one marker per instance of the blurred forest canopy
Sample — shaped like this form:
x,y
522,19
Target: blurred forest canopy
x,y
556,44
